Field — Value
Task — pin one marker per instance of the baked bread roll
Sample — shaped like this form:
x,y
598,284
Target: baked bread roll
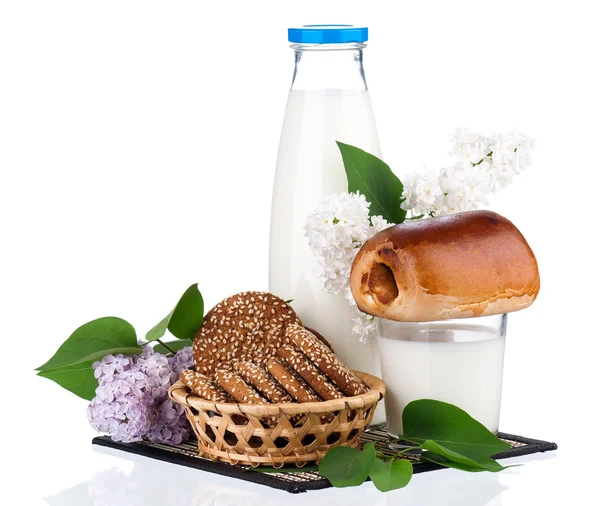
x,y
474,263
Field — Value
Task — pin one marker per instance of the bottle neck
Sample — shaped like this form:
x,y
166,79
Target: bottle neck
x,y
329,66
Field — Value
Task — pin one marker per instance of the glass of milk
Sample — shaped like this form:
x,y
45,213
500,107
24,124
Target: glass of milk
x,y
328,102
456,361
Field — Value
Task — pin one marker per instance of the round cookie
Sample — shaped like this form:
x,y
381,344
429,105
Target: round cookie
x,y
298,362
262,381
292,383
248,326
326,361
203,386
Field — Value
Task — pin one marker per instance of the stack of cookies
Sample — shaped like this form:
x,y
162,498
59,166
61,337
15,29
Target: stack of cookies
x,y
253,349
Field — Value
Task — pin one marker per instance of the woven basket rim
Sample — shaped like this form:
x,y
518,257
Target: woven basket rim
x,y
182,395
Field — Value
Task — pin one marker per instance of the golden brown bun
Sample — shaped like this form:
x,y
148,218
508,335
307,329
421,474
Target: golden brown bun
x,y
474,263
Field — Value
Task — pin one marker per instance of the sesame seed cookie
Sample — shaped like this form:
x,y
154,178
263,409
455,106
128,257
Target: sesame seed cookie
x,y
298,362
326,361
248,326
203,386
262,381
292,383
320,338
235,386
243,393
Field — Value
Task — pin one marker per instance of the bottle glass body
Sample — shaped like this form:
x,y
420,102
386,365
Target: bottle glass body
x,y
328,102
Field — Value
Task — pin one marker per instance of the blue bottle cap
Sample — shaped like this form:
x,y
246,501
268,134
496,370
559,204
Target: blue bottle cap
x,y
328,34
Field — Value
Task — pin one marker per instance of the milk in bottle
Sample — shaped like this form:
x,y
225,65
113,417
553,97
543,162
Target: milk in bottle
x,y
328,102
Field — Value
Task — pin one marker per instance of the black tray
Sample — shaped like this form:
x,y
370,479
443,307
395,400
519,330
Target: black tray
x,y
186,454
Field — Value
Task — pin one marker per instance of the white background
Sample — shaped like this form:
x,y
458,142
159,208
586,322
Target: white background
x,y
137,151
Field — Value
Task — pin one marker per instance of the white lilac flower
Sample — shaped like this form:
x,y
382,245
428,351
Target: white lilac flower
x,y
483,166
463,136
469,144
363,327
511,155
421,193
378,224
340,225
463,189
336,230
470,155
428,189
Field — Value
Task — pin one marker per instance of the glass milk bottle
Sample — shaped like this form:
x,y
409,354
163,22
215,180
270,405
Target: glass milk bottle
x,y
328,102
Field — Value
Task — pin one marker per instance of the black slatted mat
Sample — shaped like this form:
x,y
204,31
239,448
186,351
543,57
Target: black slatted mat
x,y
186,454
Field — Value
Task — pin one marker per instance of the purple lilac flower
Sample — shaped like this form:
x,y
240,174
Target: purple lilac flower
x,y
114,486
182,360
120,407
132,397
158,370
112,365
168,423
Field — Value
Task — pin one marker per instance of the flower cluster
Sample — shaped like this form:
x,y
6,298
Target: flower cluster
x,y
336,230
340,225
483,165
132,397
363,326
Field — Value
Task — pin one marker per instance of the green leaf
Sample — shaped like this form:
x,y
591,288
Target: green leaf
x,y
451,427
159,329
485,463
391,475
373,178
93,340
78,378
434,447
347,467
185,319
188,314
175,345
434,458
98,355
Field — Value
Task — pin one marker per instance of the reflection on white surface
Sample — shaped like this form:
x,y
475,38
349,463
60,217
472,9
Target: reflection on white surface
x,y
154,483
451,488
140,481
74,495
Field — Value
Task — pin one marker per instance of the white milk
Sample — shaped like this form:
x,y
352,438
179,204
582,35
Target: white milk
x,y
309,168
450,363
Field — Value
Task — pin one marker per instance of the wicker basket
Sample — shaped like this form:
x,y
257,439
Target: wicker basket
x,y
278,434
